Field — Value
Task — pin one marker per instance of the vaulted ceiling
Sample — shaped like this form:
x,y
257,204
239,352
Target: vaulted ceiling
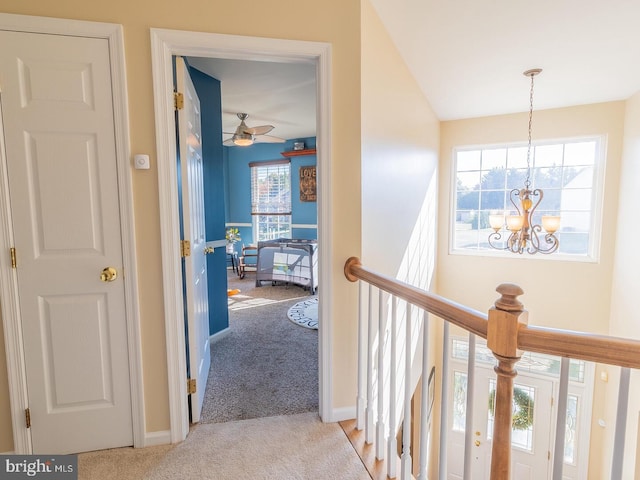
x,y
468,57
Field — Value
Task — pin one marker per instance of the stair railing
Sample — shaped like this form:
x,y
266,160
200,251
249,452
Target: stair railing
x,y
508,335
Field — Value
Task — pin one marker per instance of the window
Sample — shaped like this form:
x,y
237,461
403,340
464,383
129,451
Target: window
x,y
531,362
271,199
569,173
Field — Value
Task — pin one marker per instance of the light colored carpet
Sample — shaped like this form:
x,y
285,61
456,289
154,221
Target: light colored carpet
x,y
294,447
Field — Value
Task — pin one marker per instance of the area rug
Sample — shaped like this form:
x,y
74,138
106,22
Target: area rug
x,y
305,313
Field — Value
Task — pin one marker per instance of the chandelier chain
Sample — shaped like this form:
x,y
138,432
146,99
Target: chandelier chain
x,y
525,235
527,182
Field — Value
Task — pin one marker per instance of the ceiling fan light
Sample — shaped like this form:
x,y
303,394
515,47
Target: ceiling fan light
x,y
243,139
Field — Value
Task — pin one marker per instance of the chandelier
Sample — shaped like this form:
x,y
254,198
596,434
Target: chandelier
x,y
525,235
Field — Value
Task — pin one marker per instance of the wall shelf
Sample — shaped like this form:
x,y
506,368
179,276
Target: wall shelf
x,y
297,153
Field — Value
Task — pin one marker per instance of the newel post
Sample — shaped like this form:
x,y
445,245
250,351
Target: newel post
x,y
505,318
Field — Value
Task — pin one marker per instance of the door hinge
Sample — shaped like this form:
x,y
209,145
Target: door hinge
x,y
191,386
185,248
548,454
552,401
178,100
14,261
27,417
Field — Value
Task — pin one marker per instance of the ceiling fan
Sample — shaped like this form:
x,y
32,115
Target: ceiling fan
x,y
245,136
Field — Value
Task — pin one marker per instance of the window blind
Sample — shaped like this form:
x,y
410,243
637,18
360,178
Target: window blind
x,y
271,188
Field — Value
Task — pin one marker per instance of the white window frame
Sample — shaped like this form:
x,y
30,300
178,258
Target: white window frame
x,y
593,253
255,214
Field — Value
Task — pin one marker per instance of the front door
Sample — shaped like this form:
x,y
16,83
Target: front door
x,y
195,263
57,114
534,423
530,435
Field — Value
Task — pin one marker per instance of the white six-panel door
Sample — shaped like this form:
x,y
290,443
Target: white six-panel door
x,y
60,152
197,294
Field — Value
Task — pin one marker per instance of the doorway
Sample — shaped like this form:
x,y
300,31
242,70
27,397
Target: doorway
x,y
239,386
165,44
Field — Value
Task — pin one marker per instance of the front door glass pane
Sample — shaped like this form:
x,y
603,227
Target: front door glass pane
x,y
522,419
570,440
459,401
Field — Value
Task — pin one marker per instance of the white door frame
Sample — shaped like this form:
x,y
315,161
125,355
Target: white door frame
x,y
165,44
8,282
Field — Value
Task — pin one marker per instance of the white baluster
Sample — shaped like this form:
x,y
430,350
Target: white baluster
x,y
380,426
362,356
392,440
561,419
424,406
406,425
621,425
368,429
468,426
444,406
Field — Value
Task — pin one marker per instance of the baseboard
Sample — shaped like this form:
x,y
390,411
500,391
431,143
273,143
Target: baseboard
x,y
7,453
219,335
163,437
341,414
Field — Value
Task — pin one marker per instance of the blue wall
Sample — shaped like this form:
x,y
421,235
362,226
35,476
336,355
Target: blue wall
x,y
238,186
213,154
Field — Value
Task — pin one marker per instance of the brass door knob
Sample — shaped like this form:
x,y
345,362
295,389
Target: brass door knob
x,y
109,274
208,250
477,443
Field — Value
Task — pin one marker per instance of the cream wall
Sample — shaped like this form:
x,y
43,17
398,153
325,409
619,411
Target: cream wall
x,y
332,21
625,319
400,144
561,294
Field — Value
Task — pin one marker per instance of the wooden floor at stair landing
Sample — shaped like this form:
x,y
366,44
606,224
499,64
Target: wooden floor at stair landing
x,y
367,452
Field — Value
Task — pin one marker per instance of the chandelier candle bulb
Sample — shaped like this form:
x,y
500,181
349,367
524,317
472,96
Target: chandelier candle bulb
x,y
514,222
550,223
496,220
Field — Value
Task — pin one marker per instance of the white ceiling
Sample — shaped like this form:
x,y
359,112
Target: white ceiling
x,y
278,94
468,57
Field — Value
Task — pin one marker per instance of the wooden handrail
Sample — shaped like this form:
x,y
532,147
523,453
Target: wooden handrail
x,y
563,343
583,346
464,317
